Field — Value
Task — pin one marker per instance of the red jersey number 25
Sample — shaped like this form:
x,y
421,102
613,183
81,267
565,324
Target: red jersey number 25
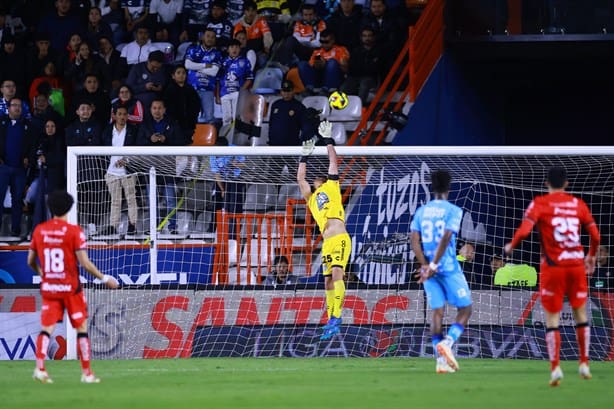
x,y
566,231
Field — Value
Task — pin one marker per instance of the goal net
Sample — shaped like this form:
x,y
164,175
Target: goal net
x,y
197,270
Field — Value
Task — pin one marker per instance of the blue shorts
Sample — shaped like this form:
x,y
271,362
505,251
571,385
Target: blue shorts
x,y
451,288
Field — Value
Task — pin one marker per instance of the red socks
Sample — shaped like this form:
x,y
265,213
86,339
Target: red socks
x,y
553,344
42,345
85,352
583,336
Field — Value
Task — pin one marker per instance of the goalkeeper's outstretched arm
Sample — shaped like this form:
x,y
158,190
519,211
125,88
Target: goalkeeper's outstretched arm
x,y
325,130
302,181
332,160
301,174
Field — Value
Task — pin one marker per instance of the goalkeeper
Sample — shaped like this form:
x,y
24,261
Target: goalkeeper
x,y
324,202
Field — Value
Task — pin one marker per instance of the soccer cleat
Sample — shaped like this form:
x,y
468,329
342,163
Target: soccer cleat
x,y
41,376
332,322
443,367
556,376
91,378
584,371
328,333
446,352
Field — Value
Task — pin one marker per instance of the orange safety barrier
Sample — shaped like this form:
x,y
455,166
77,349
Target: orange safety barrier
x,y
364,131
258,238
308,225
263,234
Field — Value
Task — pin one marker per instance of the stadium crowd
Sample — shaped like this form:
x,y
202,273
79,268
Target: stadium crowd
x,y
67,66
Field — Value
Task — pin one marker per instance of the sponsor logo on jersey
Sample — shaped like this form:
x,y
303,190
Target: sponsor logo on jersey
x,y
59,288
571,255
52,240
569,212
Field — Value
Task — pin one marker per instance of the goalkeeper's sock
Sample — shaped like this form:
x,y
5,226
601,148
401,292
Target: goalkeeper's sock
x,y
42,346
85,352
454,333
583,336
339,294
437,338
330,302
553,344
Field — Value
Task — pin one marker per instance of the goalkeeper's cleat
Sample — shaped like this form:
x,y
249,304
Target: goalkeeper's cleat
x,y
332,322
556,376
328,334
443,367
41,376
445,351
91,378
584,371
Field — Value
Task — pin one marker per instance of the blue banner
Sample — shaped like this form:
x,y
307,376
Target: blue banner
x,y
192,265
379,219
380,341
493,203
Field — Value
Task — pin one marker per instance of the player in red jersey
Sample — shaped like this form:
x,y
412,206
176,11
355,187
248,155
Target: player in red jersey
x,y
54,251
559,217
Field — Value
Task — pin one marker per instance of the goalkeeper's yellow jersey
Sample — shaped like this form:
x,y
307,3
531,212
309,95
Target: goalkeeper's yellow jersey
x,y
325,203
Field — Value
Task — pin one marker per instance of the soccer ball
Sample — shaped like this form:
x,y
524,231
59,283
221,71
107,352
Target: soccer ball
x,y
338,100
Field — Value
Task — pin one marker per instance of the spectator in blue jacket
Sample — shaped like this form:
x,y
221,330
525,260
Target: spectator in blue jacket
x,y
15,151
8,89
148,79
159,129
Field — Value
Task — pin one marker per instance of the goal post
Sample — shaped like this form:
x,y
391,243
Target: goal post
x,y
194,273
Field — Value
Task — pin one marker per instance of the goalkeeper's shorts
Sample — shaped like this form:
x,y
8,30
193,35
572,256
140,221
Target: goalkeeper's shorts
x,y
336,252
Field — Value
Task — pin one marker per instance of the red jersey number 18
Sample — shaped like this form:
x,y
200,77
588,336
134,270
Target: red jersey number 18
x,y
54,260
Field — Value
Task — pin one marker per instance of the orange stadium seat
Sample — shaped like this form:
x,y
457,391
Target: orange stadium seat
x,y
204,135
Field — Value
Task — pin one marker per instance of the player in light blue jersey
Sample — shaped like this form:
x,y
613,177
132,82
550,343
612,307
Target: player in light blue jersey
x,y
433,239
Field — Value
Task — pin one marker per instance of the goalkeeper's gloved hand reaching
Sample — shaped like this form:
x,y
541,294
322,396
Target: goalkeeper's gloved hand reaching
x,y
326,130
307,149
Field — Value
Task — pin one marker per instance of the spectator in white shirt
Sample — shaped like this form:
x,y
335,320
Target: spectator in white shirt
x,y
138,50
120,133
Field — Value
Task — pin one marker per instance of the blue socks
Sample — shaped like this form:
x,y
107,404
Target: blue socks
x,y
437,338
455,331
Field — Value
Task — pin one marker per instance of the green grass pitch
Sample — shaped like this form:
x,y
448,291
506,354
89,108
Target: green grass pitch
x,y
306,383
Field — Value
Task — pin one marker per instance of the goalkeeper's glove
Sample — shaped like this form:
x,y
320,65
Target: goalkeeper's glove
x,y
307,149
326,130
